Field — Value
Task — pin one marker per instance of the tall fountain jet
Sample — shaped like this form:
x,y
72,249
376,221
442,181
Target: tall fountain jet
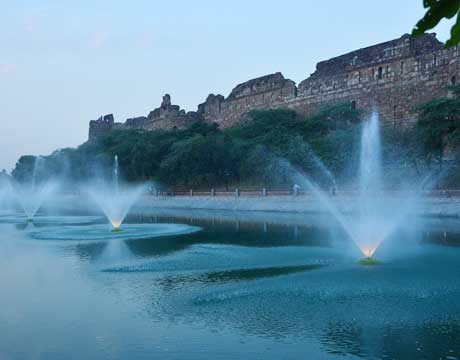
x,y
115,172
375,215
115,200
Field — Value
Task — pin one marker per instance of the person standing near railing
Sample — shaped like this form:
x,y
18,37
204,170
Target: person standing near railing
x,y
296,189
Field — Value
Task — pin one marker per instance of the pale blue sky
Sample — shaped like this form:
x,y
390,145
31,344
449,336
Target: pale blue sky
x,y
63,63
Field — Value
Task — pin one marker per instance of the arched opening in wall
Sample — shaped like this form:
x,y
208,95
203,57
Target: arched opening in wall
x,y
353,105
380,73
453,80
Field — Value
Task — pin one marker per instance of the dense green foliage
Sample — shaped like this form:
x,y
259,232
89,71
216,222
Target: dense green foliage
x,y
438,10
266,149
438,127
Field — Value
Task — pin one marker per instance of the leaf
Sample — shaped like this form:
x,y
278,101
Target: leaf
x,y
454,34
429,3
438,10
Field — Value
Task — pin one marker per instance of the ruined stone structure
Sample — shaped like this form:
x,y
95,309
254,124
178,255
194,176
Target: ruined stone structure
x,y
167,116
101,126
394,76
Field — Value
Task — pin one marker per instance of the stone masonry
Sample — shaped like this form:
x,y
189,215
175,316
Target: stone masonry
x,y
393,77
167,116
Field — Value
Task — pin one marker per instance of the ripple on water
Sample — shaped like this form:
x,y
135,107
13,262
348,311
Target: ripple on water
x,y
102,232
230,261
20,218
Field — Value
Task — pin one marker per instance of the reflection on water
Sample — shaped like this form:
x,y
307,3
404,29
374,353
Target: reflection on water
x,y
220,277
245,286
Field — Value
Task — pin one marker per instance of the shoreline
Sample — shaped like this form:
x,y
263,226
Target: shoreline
x,y
436,207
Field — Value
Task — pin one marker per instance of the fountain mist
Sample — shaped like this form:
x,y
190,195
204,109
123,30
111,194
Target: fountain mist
x,y
114,200
33,194
376,215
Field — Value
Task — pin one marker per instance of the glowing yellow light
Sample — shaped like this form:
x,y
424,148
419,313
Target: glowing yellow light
x,y
368,251
116,224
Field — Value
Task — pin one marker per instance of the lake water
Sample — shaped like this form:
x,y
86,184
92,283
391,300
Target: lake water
x,y
225,286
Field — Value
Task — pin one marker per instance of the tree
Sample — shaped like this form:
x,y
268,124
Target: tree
x,y
268,148
200,161
24,169
438,10
438,126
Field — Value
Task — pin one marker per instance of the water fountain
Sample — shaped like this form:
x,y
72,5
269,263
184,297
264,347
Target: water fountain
x,y
32,194
5,191
376,215
115,200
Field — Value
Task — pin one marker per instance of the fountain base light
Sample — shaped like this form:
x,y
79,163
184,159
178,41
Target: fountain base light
x,y
116,230
369,261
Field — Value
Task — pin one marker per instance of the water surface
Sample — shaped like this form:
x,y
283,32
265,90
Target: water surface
x,y
244,286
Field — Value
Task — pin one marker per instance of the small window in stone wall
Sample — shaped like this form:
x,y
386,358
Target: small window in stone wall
x,y
380,73
353,105
402,67
453,80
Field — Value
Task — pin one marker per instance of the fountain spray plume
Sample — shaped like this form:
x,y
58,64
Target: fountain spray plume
x,y
6,191
114,199
320,165
375,215
32,194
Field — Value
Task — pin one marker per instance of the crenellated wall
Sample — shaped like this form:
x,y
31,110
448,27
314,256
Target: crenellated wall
x,y
394,76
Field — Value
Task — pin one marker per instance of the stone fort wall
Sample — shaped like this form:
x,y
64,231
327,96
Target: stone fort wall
x,y
394,76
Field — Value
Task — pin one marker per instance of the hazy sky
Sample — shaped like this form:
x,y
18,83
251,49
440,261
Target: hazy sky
x,y
63,63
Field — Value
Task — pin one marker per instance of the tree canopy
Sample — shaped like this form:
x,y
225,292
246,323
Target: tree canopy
x,y
253,152
265,149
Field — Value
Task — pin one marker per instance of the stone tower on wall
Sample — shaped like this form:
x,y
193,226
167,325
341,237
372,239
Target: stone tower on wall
x,y
167,116
101,126
395,76
260,93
